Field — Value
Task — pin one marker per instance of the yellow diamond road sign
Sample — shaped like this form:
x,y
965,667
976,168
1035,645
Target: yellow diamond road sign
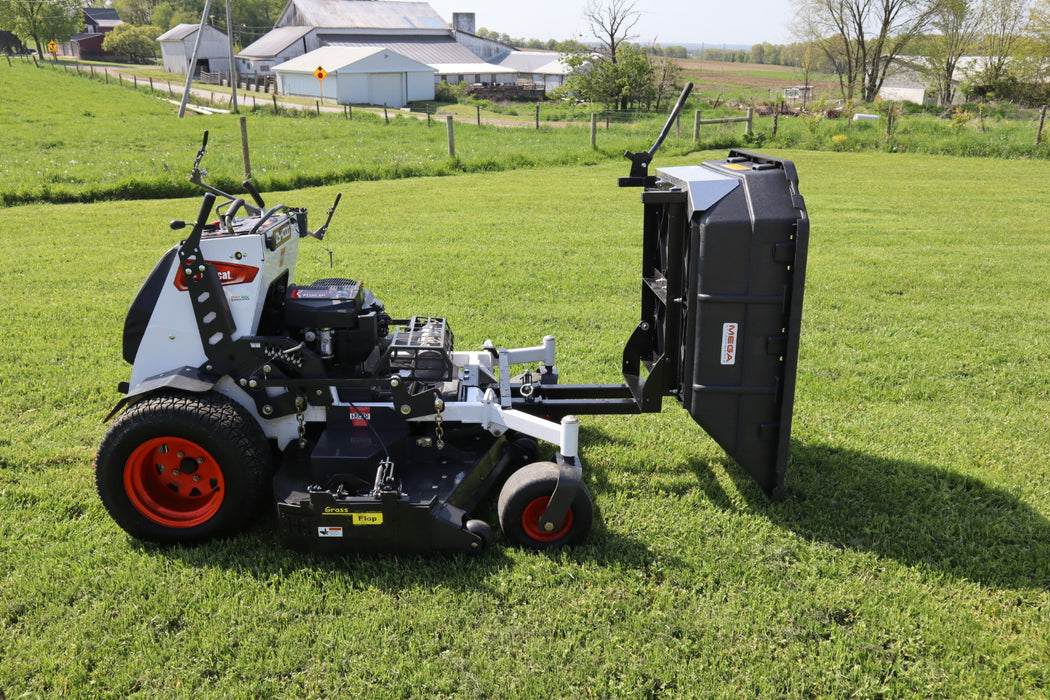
x,y
320,73
52,47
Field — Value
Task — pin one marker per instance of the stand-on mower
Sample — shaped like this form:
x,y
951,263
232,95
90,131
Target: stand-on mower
x,y
373,433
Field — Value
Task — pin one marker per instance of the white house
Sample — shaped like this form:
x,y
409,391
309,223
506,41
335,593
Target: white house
x,y
176,48
357,75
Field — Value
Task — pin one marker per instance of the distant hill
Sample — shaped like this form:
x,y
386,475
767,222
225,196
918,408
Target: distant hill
x,y
692,47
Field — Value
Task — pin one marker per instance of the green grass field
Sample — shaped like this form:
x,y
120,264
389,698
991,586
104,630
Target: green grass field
x,y
71,138
910,559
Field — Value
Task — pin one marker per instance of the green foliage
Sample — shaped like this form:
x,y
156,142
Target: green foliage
x,y
37,22
136,42
450,93
630,80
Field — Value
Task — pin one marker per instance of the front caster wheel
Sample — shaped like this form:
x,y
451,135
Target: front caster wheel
x,y
183,468
483,530
524,499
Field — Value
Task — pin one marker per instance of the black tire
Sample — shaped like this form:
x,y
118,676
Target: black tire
x,y
525,449
483,530
523,500
183,468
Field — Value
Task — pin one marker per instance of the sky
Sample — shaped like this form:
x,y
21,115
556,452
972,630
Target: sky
x,y
667,22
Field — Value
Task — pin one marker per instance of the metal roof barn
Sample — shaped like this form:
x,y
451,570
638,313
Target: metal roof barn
x,y
357,76
351,14
176,48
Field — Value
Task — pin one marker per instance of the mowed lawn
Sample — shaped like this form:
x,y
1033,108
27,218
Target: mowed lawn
x,y
910,558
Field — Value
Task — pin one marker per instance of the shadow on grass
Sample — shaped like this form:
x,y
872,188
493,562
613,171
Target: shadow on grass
x,y
918,514
256,554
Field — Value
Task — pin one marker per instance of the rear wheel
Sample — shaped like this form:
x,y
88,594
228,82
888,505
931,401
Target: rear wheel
x,y
183,468
524,499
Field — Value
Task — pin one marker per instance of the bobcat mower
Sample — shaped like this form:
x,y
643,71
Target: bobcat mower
x,y
372,432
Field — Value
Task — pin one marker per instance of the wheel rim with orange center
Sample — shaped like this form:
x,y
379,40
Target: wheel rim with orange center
x,y
530,521
174,482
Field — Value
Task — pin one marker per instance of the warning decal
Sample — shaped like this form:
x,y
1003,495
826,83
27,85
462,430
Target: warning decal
x,y
329,532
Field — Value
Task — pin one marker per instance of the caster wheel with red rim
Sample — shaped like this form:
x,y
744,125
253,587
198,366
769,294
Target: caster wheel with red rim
x,y
523,500
183,468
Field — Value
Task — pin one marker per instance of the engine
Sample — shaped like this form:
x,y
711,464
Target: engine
x,y
339,320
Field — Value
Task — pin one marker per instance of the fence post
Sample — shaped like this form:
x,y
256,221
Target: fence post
x,y
479,114
750,120
451,137
274,96
696,125
1042,119
244,149
386,117
594,131
317,104
537,115
350,112
678,126
428,116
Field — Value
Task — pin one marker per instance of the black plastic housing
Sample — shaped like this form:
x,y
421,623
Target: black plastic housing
x,y
724,261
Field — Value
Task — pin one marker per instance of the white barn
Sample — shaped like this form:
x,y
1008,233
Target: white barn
x,y
412,29
176,48
543,68
357,75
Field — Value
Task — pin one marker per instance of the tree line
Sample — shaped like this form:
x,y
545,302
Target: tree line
x,y
860,42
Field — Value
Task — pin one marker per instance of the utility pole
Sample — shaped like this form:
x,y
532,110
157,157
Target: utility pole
x,y
192,65
233,64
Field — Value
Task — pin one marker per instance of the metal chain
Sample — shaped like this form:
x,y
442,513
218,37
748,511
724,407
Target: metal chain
x,y
300,404
439,431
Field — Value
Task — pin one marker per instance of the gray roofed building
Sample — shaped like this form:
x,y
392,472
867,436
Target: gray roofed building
x,y
176,49
541,67
358,14
427,49
411,29
275,41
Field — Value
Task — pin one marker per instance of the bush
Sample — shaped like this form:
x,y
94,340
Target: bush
x,y
450,93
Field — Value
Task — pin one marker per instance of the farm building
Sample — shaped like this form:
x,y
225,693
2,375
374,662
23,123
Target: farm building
x,y
357,75
176,49
98,21
906,80
411,29
541,68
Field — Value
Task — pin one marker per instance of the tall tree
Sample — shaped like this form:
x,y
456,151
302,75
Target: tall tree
x,y
41,21
611,22
1005,23
862,37
955,25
